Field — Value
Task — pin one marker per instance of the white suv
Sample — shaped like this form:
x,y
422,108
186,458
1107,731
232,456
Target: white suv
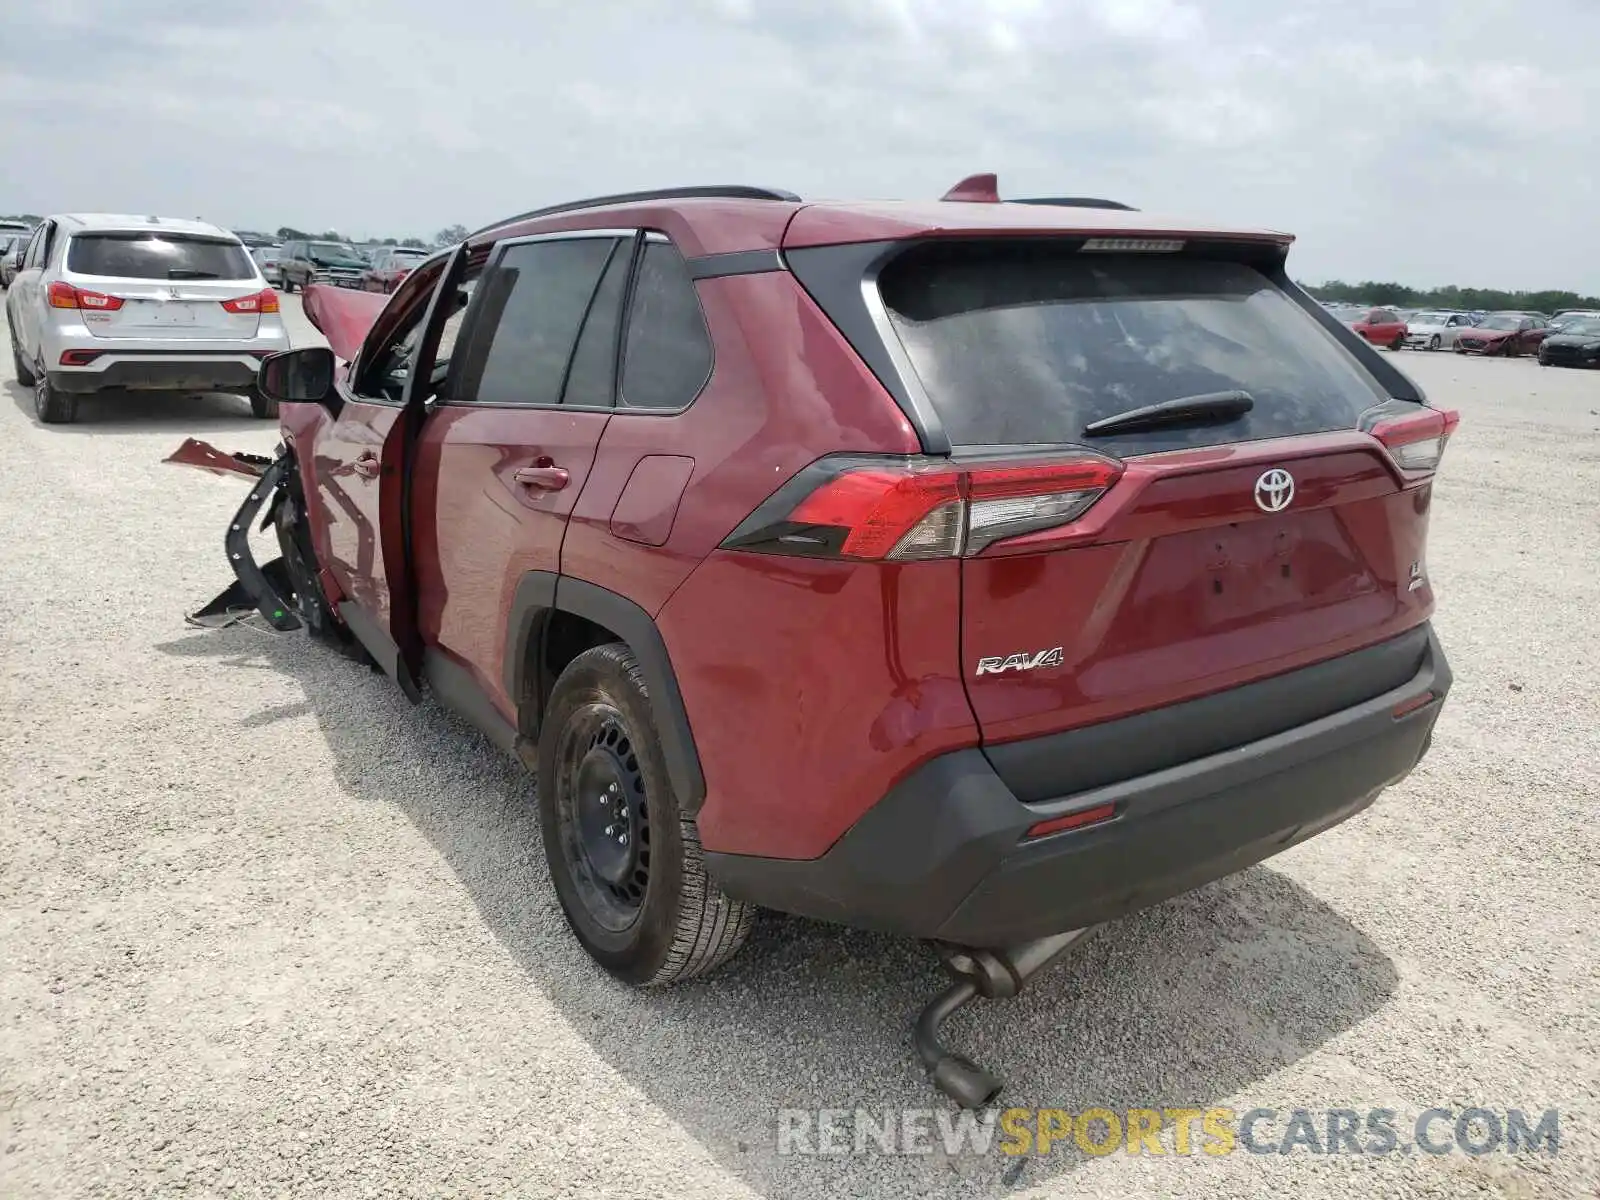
x,y
143,303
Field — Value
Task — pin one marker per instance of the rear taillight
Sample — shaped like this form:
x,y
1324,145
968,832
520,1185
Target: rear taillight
x,y
1416,441
901,510
264,301
64,295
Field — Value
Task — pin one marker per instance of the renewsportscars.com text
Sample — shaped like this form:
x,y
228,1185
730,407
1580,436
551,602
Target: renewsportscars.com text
x,y
1175,1131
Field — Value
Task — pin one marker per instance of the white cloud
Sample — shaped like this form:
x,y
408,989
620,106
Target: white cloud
x,y
1453,145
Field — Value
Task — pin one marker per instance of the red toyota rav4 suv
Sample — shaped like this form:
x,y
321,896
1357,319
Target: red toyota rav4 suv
x,y
975,571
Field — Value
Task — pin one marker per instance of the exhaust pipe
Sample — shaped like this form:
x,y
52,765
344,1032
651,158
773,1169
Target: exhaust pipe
x,y
996,975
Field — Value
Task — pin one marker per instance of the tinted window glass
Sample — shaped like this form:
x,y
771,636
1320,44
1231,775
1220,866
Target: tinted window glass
x,y
1021,343
668,355
538,295
157,256
592,379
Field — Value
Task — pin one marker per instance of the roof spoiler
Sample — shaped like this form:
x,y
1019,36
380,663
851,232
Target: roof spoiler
x,y
985,189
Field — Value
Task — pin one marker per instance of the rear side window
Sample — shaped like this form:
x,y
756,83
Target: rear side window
x,y
1020,343
667,358
535,300
157,256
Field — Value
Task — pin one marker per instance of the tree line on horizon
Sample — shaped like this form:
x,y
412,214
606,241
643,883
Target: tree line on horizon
x,y
1464,299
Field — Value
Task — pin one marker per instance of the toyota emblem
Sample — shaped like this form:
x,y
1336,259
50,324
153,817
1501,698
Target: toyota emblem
x,y
1274,490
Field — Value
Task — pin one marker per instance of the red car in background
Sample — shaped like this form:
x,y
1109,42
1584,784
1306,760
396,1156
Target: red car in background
x,y
392,264
1381,327
1507,333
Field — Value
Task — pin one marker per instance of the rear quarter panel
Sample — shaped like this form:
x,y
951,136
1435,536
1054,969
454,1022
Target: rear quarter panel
x,y
784,390
810,686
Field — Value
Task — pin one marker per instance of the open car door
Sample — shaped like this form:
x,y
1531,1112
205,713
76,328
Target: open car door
x,y
358,459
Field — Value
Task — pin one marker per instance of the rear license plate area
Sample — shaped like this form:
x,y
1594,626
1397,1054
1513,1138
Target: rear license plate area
x,y
161,315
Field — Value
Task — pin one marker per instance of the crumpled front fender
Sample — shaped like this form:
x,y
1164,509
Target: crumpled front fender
x,y
263,587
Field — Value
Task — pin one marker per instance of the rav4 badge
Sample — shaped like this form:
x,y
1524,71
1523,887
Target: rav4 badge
x,y
1022,662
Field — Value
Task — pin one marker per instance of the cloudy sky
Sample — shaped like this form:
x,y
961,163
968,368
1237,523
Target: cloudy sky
x,y
1446,142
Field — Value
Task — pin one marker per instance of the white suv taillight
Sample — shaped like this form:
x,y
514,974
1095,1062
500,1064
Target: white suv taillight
x,y
902,510
264,301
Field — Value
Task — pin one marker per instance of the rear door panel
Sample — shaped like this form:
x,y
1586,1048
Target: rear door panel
x,y
503,461
479,530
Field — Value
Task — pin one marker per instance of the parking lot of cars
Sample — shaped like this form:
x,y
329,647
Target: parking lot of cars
x,y
1490,334
271,928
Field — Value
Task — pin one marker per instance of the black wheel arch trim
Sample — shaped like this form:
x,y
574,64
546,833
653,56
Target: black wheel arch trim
x,y
541,593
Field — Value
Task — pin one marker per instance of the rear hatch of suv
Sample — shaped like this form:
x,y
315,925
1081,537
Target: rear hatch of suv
x,y
167,286
1272,515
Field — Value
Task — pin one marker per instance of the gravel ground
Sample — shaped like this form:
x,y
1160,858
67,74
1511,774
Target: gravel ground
x,y
268,930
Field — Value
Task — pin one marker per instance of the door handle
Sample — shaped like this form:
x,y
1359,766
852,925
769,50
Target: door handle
x,y
549,479
367,465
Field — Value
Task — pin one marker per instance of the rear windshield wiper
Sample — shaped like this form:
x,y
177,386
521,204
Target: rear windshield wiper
x,y
1208,408
186,273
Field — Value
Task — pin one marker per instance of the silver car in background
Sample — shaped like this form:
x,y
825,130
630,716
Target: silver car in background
x,y
139,303
10,245
1435,330
267,259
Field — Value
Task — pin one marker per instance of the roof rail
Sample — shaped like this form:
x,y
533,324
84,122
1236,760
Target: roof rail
x,y
711,191
1073,202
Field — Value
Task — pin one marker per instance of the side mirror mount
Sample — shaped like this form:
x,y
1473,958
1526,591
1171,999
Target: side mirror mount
x,y
303,376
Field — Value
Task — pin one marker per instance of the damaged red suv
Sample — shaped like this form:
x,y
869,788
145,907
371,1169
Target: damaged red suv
x,y
976,571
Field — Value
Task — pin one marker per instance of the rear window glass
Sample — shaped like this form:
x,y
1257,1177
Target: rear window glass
x,y
1023,344
152,256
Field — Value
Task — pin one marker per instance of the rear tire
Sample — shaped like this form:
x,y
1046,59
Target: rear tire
x,y
260,406
51,404
288,286
626,863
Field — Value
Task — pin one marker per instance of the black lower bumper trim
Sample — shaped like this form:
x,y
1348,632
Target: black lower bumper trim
x,y
945,854
165,374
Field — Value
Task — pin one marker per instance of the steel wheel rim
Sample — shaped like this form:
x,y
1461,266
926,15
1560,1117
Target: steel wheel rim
x,y
603,815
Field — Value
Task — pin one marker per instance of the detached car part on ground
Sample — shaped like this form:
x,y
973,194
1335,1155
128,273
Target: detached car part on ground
x,y
817,558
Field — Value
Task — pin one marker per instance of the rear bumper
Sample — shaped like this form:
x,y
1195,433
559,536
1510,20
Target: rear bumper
x,y
159,371
945,853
